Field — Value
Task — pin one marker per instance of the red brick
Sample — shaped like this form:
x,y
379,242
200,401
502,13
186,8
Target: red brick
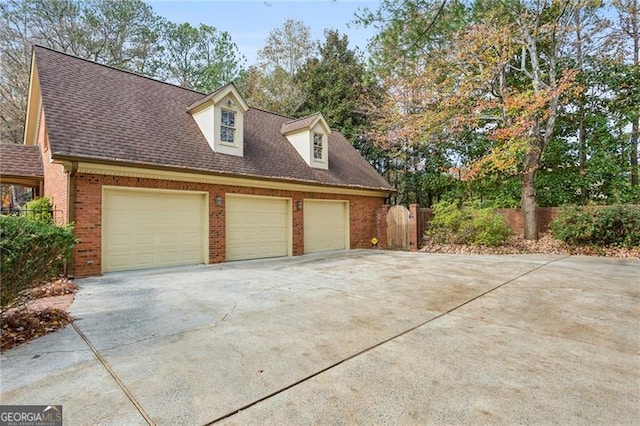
x,y
364,221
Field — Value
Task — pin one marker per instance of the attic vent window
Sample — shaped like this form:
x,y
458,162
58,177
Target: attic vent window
x,y
317,146
227,126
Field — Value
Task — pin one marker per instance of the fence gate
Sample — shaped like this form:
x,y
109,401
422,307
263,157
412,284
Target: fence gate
x,y
398,228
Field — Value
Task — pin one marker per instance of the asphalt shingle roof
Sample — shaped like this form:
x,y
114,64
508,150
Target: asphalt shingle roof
x,y
301,123
99,113
20,160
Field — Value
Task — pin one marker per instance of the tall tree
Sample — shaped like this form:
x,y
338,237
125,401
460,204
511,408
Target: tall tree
x,y
199,58
272,83
336,83
287,48
117,33
14,69
125,34
499,74
628,43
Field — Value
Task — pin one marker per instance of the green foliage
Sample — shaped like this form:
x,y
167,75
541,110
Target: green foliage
x,y
39,210
337,84
32,251
452,224
617,225
125,34
497,190
489,228
200,58
272,83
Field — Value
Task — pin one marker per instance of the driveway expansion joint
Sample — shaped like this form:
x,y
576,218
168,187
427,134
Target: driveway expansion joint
x,y
113,374
383,342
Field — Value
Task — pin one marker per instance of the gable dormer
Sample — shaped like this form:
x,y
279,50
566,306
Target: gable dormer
x,y
310,137
220,117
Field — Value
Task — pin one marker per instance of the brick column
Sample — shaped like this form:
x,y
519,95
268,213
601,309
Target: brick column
x,y
381,226
413,227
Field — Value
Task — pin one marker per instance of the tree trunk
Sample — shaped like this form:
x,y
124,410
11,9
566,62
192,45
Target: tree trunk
x,y
635,34
529,205
582,144
634,153
528,196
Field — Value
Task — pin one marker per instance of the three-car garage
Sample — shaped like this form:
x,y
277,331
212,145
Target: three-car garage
x,y
148,228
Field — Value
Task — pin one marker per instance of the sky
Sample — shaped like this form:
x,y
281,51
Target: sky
x,y
250,21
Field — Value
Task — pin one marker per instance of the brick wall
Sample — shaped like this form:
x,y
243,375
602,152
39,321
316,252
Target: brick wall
x,y
88,216
381,226
515,219
55,178
418,220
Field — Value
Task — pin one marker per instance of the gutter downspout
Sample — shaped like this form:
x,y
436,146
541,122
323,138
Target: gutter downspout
x,y
71,198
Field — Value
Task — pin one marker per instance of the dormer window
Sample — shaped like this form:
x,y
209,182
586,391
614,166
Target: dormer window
x,y
227,126
220,117
310,137
317,146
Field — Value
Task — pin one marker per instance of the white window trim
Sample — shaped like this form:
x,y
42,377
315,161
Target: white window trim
x,y
234,128
322,147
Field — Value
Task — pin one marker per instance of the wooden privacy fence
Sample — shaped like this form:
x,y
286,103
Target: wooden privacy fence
x,y
398,227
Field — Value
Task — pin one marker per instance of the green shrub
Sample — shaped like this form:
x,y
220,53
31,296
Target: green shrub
x,y
489,228
467,225
39,209
31,251
617,225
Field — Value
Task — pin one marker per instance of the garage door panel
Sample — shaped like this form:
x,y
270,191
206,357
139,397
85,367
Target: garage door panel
x,y
325,225
169,256
257,227
144,229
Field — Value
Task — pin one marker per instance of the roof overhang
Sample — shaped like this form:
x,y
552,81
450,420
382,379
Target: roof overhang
x,y
217,96
34,101
28,181
305,124
114,168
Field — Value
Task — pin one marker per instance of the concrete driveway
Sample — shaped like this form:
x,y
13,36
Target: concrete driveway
x,y
358,337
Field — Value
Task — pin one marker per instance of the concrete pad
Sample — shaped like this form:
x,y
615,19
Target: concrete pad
x,y
349,337
461,371
552,347
59,368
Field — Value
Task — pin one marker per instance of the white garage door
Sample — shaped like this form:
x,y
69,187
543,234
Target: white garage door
x,y
257,227
325,225
148,229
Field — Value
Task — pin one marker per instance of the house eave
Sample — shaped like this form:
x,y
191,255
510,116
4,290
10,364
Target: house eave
x,y
155,171
29,181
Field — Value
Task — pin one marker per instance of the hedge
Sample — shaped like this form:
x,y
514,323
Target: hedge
x,y
31,252
452,224
617,226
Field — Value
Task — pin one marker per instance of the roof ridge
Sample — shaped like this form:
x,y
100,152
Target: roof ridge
x,y
304,118
115,69
270,112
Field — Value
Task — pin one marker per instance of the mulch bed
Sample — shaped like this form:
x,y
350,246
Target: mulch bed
x,y
38,311
546,244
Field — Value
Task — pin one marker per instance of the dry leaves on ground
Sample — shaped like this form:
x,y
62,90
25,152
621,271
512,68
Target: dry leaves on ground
x,y
37,312
546,244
